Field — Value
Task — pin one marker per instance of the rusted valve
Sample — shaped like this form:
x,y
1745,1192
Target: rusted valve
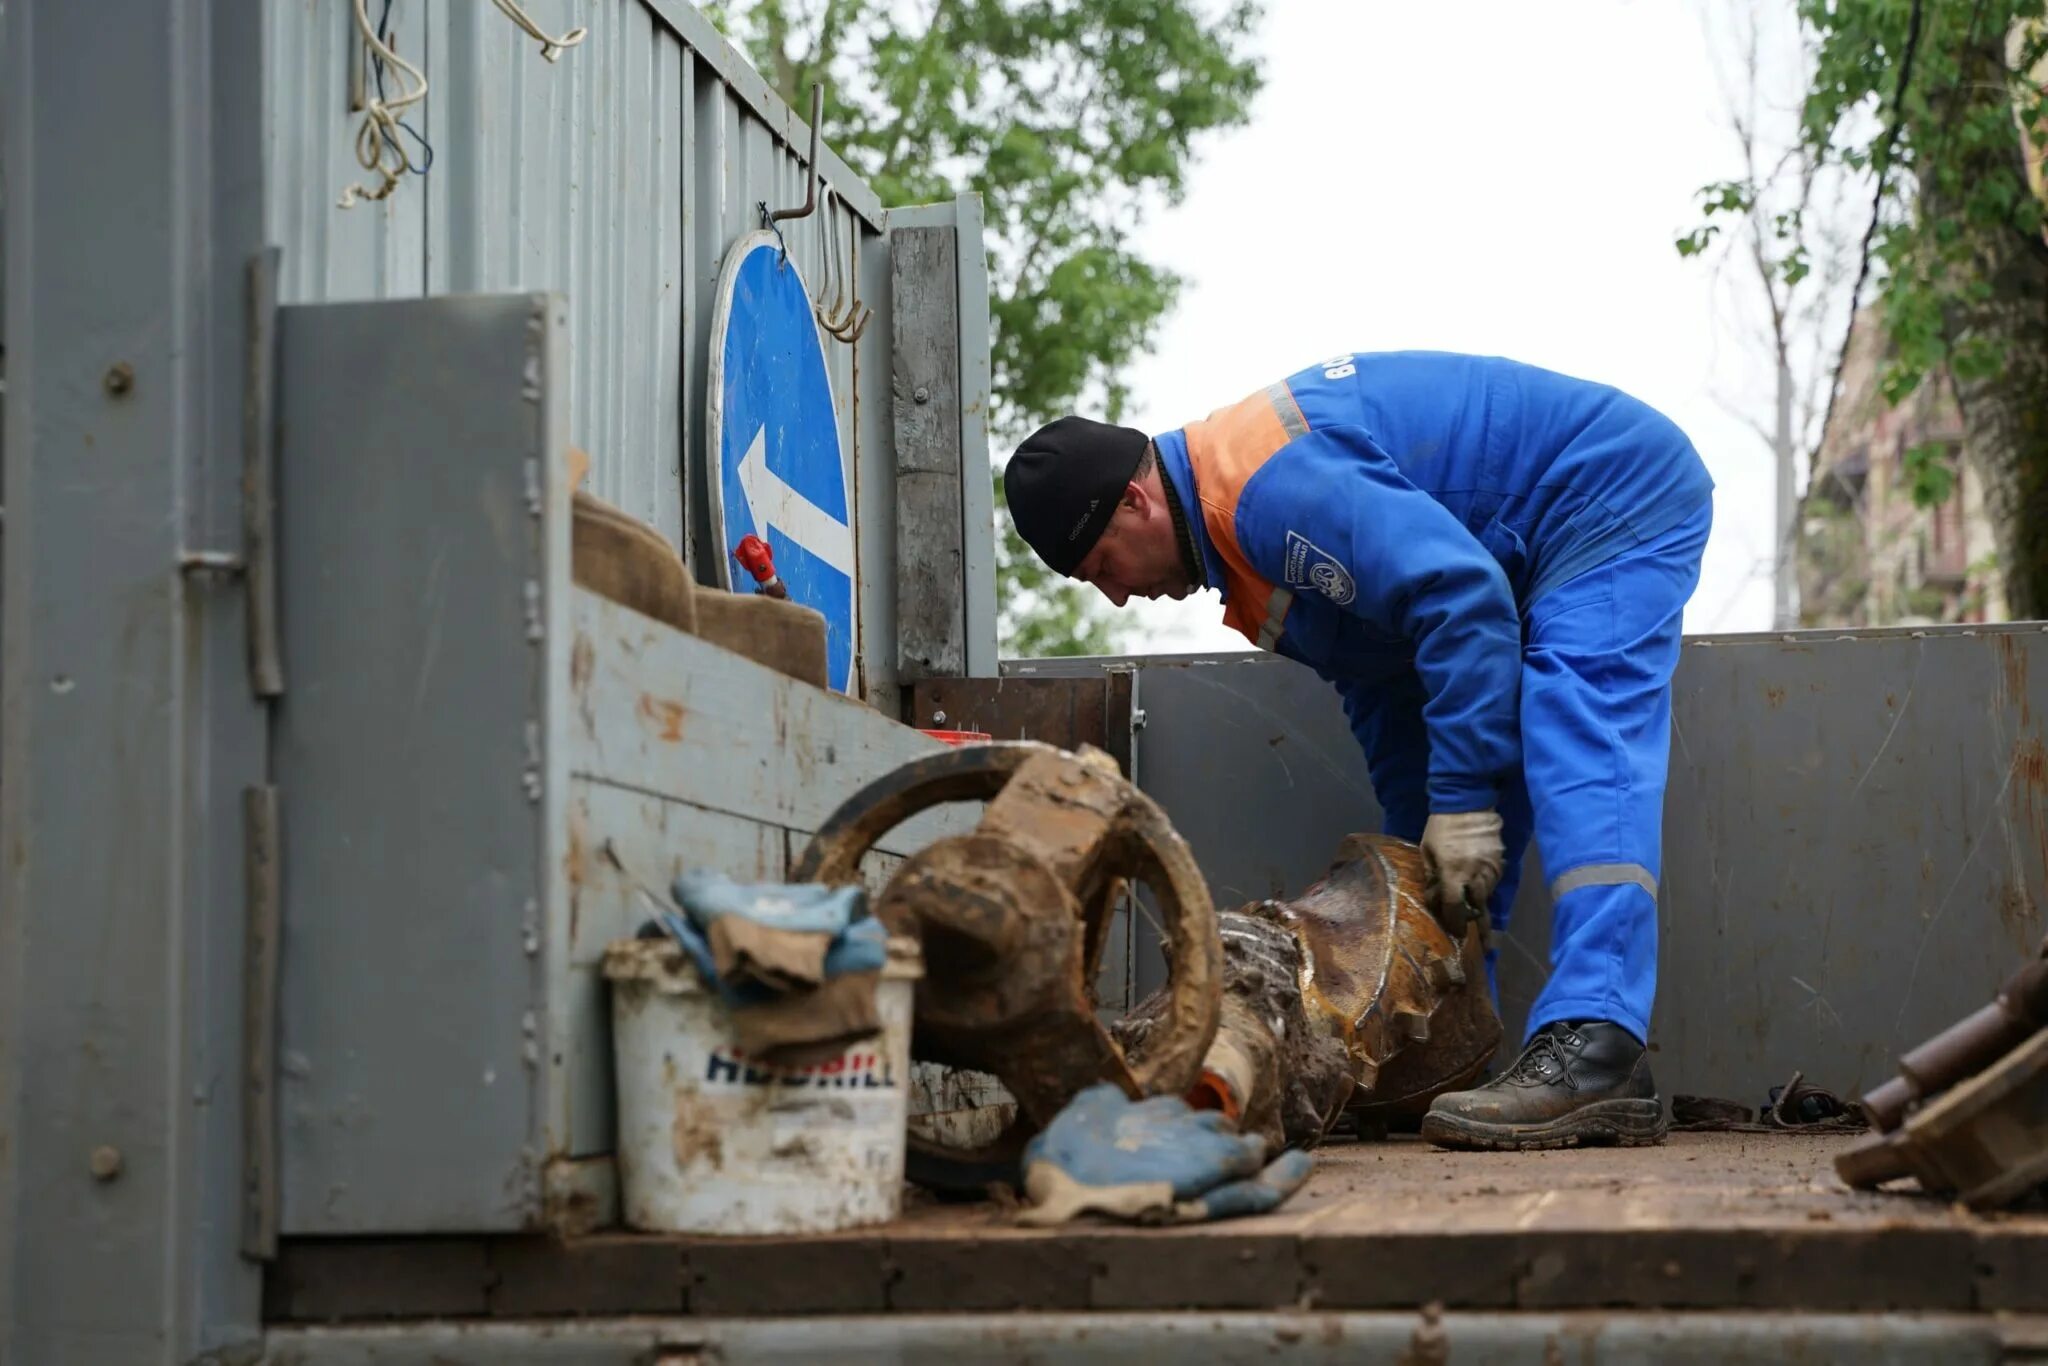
x,y
1014,917
1350,997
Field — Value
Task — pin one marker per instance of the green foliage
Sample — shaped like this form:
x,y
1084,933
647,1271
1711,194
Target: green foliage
x,y
1931,473
1941,137
1041,613
1071,118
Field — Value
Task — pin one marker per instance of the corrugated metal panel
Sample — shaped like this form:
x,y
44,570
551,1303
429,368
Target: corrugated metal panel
x,y
617,176
373,251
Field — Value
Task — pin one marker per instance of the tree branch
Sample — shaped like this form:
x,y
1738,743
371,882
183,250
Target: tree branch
x,y
1734,410
1883,164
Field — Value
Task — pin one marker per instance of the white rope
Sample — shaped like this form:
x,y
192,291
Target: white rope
x,y
550,48
379,149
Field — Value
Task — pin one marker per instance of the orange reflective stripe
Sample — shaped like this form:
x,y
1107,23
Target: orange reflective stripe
x,y
1226,449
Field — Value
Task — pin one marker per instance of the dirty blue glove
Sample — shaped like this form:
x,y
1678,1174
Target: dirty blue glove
x,y
1155,1161
776,934
862,947
776,1022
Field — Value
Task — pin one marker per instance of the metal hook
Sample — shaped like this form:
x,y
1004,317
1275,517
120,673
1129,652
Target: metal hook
x,y
847,329
811,194
828,266
846,301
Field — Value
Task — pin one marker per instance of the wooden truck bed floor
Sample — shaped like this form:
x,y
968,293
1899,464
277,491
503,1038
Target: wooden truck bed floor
x,y
1708,1221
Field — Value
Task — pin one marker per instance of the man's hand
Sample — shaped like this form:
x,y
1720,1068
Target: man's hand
x,y
1464,854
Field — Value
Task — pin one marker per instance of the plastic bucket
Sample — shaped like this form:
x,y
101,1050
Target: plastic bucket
x,y
709,1142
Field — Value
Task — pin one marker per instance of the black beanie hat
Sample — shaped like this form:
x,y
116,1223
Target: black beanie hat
x,y
1064,483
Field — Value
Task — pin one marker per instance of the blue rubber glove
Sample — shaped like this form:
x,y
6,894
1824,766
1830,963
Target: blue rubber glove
x,y
776,934
777,1022
1154,1161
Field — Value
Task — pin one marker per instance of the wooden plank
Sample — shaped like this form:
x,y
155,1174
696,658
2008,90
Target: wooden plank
x,y
1252,1272
1046,1273
675,716
316,1280
931,620
1708,1222
535,1277
847,1274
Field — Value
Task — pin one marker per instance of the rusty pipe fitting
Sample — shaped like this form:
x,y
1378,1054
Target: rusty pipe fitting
x,y
1964,1048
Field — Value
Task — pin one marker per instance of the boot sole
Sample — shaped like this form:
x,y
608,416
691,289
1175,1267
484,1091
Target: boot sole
x,y
1603,1123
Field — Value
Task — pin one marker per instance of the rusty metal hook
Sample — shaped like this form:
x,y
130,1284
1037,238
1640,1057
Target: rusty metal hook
x,y
828,264
846,328
810,194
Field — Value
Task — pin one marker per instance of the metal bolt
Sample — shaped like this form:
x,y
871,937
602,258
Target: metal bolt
x,y
921,395
120,379
938,718
105,1162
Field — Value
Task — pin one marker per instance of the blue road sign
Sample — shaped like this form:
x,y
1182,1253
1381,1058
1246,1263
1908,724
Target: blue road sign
x,y
782,473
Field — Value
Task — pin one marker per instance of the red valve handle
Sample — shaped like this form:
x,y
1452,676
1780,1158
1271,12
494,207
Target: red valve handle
x,y
755,557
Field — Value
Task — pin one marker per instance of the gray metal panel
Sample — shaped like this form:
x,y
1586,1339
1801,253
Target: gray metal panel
x,y
421,441
134,201
616,176
977,394
1856,834
567,177
372,251
1856,849
874,487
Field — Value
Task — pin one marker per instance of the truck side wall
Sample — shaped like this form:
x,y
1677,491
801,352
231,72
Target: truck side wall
x,y
1855,836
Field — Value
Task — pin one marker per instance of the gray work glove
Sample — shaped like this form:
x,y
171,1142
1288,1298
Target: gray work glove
x,y
1464,854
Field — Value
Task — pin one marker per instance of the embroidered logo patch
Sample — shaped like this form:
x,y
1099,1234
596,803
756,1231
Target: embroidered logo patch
x,y
1311,567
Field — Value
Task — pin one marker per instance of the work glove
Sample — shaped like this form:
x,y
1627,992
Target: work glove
x,y
1155,1161
1464,854
757,954
776,934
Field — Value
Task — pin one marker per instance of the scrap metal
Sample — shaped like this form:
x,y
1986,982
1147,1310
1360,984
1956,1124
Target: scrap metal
x,y
1014,917
1349,999
1968,1113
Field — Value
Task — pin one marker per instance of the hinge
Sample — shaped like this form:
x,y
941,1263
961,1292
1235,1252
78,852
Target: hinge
x,y
259,476
263,887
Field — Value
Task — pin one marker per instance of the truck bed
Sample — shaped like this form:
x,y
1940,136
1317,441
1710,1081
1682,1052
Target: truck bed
x,y
1709,1221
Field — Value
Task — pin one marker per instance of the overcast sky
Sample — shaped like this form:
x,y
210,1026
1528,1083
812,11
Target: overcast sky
x,y
1489,176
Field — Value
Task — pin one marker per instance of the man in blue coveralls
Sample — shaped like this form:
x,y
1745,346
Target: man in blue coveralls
x,y
1489,561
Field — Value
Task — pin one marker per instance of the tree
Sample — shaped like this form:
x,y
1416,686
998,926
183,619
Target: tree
x,y
1072,119
1785,246
1932,99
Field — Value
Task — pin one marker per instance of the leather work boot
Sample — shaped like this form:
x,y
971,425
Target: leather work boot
x,y
1575,1084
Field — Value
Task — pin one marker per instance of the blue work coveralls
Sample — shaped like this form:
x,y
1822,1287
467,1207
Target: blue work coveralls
x,y
1489,561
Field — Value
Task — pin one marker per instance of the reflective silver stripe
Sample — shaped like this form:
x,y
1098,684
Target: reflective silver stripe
x,y
1288,411
1276,618
1605,875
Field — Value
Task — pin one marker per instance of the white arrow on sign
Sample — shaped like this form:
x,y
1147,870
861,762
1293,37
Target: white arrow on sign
x,y
776,504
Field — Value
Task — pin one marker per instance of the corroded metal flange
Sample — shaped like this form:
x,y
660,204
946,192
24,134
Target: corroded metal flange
x,y
1013,918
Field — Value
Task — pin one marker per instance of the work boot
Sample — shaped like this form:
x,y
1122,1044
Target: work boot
x,y
1576,1083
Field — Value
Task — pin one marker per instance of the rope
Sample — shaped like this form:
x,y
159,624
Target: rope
x,y
378,149
551,49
